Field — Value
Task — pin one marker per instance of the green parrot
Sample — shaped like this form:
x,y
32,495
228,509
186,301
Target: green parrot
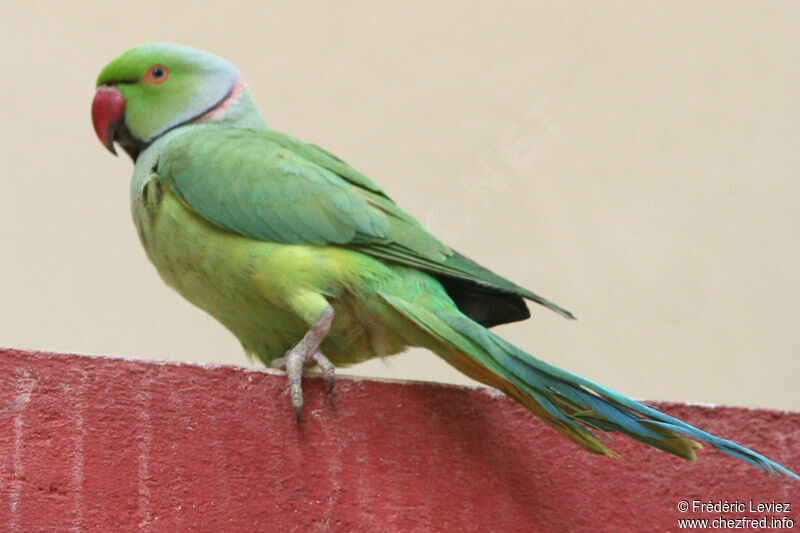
x,y
310,263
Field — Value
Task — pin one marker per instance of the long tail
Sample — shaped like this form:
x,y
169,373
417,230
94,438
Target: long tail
x,y
573,405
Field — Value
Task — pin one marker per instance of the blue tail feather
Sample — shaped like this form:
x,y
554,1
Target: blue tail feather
x,y
607,409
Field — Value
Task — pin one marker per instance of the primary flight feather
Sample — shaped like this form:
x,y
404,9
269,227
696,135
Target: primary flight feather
x,y
308,262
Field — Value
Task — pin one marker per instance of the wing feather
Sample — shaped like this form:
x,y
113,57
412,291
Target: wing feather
x,y
269,186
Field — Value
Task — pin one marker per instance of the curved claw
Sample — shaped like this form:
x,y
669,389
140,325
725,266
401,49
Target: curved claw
x,y
328,370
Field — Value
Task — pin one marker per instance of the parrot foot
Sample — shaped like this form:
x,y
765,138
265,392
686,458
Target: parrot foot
x,y
307,354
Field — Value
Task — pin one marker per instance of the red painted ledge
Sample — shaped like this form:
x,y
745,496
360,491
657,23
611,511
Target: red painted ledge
x,y
100,444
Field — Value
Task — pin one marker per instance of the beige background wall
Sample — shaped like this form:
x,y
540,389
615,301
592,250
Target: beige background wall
x,y
636,162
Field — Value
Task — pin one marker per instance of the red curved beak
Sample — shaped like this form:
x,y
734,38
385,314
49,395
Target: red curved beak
x,y
108,110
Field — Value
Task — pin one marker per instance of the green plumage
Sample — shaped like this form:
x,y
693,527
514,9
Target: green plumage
x,y
272,187
266,232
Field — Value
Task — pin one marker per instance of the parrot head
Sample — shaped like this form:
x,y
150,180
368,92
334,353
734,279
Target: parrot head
x,y
153,88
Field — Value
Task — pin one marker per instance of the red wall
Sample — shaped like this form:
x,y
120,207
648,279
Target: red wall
x,y
95,443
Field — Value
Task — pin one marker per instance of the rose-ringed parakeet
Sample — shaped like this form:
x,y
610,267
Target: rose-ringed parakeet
x,y
310,263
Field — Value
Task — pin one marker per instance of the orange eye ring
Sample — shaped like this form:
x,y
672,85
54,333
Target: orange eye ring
x,y
156,73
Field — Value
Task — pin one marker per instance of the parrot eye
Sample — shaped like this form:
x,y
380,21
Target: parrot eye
x,y
156,73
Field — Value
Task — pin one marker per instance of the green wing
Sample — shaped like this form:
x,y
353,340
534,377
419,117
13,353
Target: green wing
x,y
272,187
